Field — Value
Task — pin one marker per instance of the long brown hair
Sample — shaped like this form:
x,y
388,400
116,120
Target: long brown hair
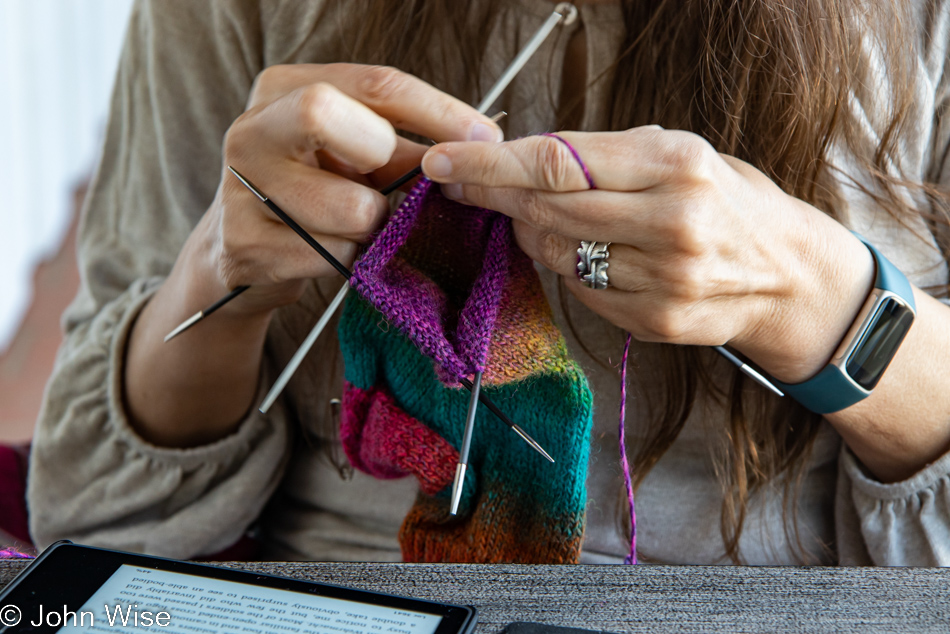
x,y
766,81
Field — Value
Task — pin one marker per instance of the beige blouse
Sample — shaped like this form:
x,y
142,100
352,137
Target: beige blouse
x,y
185,76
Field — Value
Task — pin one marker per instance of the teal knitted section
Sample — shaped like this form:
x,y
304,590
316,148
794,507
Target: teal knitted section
x,y
521,487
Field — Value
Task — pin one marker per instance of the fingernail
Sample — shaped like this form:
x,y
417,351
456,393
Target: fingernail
x,y
452,191
437,165
483,132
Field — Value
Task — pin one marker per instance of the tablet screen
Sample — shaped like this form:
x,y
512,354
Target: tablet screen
x,y
135,597
73,588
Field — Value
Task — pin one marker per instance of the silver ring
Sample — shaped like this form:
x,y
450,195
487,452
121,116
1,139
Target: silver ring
x,y
592,264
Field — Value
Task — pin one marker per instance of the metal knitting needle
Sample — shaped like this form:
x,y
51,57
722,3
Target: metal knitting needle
x,y
201,314
304,348
521,59
748,370
514,427
462,466
302,351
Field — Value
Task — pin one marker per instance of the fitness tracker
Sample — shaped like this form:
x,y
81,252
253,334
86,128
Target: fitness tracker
x,y
868,347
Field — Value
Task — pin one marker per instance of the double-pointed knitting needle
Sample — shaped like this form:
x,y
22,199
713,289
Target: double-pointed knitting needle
x,y
201,314
285,375
462,466
748,370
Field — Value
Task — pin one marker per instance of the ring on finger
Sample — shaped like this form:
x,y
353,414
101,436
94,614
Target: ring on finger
x,y
592,264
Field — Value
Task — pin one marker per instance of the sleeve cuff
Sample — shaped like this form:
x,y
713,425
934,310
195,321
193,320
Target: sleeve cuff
x,y
863,482
238,442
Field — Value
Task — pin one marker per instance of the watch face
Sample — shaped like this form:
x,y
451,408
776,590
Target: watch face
x,y
879,341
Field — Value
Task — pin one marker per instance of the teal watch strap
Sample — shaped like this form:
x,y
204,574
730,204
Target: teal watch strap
x,y
889,277
833,389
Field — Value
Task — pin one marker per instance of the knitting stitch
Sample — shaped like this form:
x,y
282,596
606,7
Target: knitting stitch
x,y
445,283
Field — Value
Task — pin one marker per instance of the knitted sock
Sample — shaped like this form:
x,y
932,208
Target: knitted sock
x,y
445,292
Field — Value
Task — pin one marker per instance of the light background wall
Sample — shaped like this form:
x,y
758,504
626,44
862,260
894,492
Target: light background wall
x,y
57,62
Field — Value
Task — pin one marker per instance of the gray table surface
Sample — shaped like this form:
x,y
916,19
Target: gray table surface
x,y
655,598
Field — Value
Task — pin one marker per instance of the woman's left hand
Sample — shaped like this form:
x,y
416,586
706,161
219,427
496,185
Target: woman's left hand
x,y
706,250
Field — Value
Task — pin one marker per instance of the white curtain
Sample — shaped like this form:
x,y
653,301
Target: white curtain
x,y
57,62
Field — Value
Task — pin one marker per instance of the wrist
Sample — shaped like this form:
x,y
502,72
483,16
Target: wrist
x,y
828,277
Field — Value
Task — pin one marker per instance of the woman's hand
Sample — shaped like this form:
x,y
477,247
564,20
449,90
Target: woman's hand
x,y
706,250
319,140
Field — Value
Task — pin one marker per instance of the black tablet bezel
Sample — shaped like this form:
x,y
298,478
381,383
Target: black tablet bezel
x,y
67,574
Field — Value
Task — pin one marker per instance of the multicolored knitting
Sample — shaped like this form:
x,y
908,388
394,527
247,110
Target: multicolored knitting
x,y
445,292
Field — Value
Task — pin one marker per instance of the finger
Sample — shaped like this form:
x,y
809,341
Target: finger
x,y
560,254
634,160
407,157
411,104
319,117
320,202
265,253
649,317
631,218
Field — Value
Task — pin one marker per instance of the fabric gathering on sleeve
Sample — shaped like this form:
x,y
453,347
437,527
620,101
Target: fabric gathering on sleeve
x,y
907,523
92,478
96,481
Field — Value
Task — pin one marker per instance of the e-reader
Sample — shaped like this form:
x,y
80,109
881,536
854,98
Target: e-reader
x,y
73,588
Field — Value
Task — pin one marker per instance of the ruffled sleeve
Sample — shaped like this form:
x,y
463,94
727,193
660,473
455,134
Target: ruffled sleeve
x,y
185,74
95,481
901,524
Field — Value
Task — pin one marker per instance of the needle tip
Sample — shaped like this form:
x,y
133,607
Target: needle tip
x,y
248,184
185,325
531,441
457,487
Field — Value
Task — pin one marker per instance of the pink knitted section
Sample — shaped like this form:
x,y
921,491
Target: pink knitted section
x,y
382,440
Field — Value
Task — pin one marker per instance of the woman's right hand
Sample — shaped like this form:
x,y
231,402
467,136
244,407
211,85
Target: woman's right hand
x,y
319,140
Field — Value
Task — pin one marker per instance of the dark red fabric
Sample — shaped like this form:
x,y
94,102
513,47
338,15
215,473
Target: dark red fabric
x,y
13,514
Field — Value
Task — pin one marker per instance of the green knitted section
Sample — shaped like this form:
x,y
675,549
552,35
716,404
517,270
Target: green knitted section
x,y
509,484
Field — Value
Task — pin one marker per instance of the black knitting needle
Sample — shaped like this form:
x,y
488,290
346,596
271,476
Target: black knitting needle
x,y
385,191
484,400
347,274
201,314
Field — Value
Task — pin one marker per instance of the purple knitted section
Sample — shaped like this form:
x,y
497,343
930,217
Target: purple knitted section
x,y
476,325
441,288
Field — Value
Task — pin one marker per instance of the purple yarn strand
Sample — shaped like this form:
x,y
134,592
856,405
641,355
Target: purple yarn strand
x,y
631,558
577,157
13,553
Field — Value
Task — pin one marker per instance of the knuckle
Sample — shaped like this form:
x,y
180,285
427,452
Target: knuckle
x,y
690,158
237,138
382,83
556,165
550,249
315,106
665,325
686,281
685,234
536,211
362,213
